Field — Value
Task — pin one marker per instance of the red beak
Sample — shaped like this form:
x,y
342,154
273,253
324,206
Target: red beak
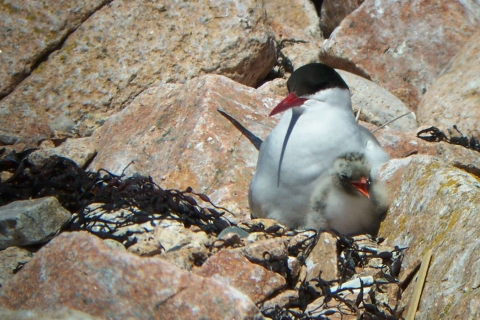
x,y
289,102
362,186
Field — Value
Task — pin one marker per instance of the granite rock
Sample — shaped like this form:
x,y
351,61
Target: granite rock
x,y
30,30
81,151
68,273
11,260
323,259
181,140
436,206
64,314
404,60
295,20
377,106
333,12
31,222
232,268
454,97
126,47
403,144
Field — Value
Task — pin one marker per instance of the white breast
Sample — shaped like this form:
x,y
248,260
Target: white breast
x,y
316,140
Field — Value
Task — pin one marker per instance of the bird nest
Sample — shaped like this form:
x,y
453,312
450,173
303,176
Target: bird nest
x,y
122,208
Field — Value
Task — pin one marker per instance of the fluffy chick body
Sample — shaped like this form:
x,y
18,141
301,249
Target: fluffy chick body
x,y
337,204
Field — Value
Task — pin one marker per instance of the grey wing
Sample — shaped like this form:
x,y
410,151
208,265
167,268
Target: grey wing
x,y
367,135
374,152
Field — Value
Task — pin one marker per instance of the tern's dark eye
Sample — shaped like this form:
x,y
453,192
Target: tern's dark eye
x,y
344,177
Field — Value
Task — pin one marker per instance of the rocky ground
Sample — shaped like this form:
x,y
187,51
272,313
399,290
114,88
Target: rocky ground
x,y
124,190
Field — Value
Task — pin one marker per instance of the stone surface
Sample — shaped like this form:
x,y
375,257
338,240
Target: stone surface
x,y
459,157
266,251
454,98
404,60
232,268
112,244
377,105
437,206
181,140
12,259
186,258
387,296
65,314
282,300
146,245
173,235
264,224
294,267
30,30
402,144
63,124
323,259
182,246
333,311
68,273
297,20
81,151
127,46
333,12
30,222
276,87
293,19
300,53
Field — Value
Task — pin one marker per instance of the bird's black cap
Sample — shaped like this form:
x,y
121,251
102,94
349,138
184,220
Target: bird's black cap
x,y
313,77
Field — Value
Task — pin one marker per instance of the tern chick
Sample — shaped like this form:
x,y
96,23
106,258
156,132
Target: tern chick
x,y
347,199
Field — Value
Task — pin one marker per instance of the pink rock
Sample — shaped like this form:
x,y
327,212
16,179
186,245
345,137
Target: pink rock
x,y
293,19
10,259
454,98
266,251
323,259
127,46
377,105
177,136
232,268
62,314
402,45
298,20
79,150
31,29
282,300
80,272
333,12
276,87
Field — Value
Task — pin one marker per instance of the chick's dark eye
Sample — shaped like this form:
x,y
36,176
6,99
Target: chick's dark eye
x,y
343,177
368,184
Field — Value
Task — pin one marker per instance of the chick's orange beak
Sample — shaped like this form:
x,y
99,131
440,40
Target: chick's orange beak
x,y
362,186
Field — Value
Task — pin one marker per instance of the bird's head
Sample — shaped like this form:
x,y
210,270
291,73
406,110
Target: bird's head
x,y
315,81
351,173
